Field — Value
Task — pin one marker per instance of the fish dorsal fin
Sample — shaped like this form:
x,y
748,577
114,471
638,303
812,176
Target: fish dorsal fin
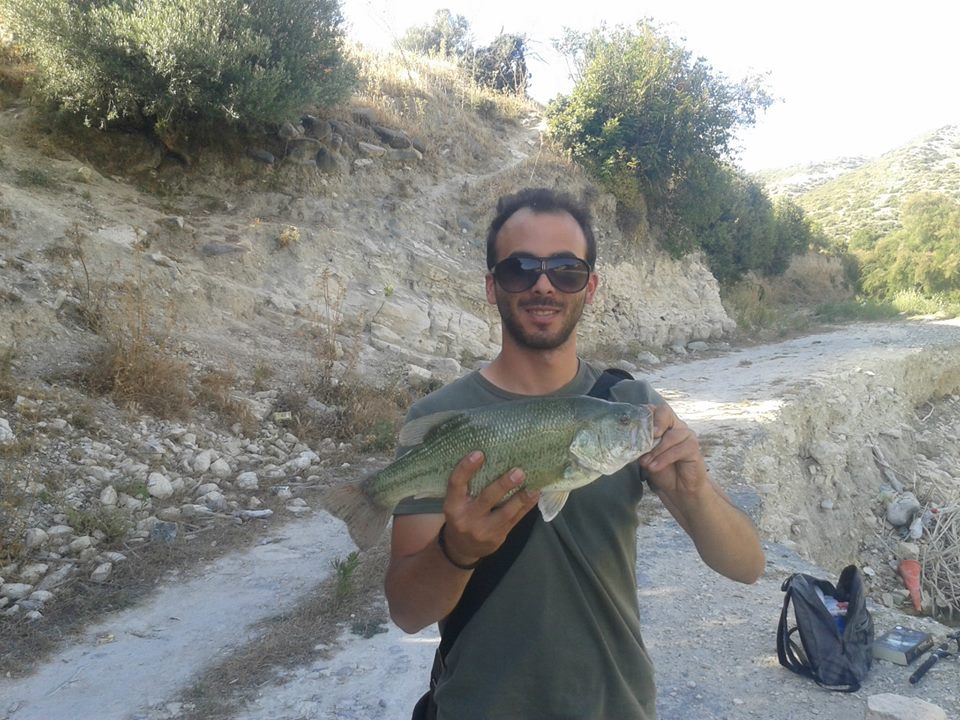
x,y
418,431
551,503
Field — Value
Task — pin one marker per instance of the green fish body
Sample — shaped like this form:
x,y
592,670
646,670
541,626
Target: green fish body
x,y
560,443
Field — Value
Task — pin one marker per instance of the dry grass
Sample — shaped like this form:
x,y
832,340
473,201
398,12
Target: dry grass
x,y
332,398
811,279
432,98
941,560
137,366
216,390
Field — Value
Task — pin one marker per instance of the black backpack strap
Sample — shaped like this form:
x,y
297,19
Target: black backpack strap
x,y
790,655
491,570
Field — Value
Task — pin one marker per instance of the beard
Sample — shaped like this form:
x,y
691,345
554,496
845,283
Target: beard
x,y
534,339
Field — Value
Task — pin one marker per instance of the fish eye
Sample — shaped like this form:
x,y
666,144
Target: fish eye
x,y
624,419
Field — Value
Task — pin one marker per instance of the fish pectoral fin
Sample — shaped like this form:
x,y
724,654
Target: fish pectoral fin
x,y
551,503
417,431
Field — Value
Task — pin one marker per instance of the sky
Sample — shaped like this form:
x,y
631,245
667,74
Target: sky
x,y
851,78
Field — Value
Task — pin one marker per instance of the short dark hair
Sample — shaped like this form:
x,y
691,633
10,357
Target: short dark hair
x,y
540,200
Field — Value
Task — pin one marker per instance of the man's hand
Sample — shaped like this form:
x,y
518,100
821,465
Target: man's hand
x,y
423,586
476,527
676,464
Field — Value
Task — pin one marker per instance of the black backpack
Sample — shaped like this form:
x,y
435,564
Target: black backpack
x,y
835,659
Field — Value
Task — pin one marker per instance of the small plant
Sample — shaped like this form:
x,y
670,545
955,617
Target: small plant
x,y
262,373
344,568
216,391
289,236
112,523
92,299
137,366
388,290
36,178
8,386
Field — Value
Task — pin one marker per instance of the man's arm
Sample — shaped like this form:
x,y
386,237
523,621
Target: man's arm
x,y
725,537
423,584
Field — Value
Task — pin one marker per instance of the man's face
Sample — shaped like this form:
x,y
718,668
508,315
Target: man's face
x,y
541,318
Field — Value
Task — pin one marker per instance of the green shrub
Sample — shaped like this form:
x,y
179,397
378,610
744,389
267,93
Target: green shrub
x,y
166,62
645,109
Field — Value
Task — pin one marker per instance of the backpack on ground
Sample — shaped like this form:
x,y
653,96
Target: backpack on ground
x,y
834,626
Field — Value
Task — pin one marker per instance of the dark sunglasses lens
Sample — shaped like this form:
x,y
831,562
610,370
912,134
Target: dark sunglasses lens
x,y
568,275
516,274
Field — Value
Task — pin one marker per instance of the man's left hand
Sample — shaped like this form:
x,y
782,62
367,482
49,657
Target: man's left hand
x,y
676,464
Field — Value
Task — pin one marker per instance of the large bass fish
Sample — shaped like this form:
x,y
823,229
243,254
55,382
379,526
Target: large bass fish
x,y
560,443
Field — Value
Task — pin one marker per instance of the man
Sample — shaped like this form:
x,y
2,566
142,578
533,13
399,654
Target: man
x,y
559,637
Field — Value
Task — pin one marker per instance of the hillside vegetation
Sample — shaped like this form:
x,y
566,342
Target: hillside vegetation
x,y
855,195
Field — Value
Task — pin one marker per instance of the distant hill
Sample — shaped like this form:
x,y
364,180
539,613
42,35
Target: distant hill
x,y
846,195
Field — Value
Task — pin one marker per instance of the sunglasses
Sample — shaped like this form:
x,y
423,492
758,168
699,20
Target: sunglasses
x,y
520,272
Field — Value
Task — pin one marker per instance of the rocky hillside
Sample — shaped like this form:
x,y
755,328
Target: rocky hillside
x,y
203,291
855,193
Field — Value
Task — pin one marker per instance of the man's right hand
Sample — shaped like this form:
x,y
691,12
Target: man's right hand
x,y
477,526
422,586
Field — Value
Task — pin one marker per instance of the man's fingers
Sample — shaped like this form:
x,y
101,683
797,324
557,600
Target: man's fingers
x,y
663,419
494,493
458,486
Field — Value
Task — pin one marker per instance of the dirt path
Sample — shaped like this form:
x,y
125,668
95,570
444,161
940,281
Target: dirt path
x,y
712,640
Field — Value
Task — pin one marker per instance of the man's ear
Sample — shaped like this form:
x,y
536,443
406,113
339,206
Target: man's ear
x,y
491,289
592,287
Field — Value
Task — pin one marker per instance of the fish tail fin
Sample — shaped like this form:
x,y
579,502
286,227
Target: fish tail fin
x,y
365,520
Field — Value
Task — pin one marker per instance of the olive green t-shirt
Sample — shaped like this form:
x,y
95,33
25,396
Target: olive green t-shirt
x,y
559,638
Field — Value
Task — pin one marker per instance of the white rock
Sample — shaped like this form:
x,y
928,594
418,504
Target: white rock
x,y
888,706
207,488
102,572
41,596
247,481
297,464
34,538
159,486
57,577
80,544
215,501
114,556
33,616
108,496
221,468
191,510
15,591
202,461
901,511
32,573
6,433
60,533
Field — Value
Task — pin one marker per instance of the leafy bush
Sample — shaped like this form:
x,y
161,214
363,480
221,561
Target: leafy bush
x,y
164,62
447,34
500,66
644,114
923,255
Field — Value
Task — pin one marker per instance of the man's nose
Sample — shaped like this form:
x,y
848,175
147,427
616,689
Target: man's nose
x,y
543,285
